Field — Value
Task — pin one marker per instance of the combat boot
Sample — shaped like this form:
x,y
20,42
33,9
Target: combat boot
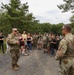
x,y
17,65
13,65
16,68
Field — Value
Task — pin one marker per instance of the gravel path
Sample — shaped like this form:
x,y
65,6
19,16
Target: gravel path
x,y
36,63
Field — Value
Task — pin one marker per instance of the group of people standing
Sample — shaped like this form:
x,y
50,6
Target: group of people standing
x,y
18,43
50,43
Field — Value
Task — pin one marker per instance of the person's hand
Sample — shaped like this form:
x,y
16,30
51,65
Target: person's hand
x,y
60,53
17,42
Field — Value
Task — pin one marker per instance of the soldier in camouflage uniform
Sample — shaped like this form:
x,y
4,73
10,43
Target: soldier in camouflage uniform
x,y
14,43
45,41
35,41
65,53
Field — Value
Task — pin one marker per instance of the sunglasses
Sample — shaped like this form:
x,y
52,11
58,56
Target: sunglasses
x,y
63,29
15,31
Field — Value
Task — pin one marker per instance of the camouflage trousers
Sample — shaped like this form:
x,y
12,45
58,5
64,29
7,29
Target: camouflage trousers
x,y
34,45
66,67
15,54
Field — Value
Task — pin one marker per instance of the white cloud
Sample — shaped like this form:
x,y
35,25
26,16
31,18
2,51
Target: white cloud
x,y
40,6
46,10
4,1
55,16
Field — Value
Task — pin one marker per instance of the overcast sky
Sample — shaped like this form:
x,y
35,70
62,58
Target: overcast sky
x,y
46,10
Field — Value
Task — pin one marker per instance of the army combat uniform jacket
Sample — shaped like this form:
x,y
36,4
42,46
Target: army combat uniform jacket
x,y
67,59
12,41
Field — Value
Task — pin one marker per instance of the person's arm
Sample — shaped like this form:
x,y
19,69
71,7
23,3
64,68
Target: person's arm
x,y
54,41
61,50
12,41
2,38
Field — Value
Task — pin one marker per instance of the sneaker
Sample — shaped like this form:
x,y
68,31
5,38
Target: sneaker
x,y
30,51
26,54
17,65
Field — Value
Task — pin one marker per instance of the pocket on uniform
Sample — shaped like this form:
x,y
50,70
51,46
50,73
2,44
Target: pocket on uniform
x,y
65,61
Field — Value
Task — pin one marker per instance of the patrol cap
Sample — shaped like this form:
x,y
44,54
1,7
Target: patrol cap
x,y
14,29
68,27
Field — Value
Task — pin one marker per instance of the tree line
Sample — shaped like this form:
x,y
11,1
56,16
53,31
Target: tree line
x,y
17,15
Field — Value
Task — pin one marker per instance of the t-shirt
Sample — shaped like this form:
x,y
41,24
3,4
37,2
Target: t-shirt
x,y
28,40
52,45
24,36
1,37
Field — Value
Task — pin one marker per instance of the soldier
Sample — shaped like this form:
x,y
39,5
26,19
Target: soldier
x,y
65,53
35,41
45,41
13,42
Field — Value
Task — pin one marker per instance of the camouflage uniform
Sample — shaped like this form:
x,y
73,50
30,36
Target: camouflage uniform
x,y
45,41
14,48
34,41
67,60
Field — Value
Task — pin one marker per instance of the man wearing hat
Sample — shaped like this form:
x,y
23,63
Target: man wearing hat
x,y
13,41
65,53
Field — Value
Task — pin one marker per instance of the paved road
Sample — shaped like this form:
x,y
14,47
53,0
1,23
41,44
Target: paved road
x,y
35,64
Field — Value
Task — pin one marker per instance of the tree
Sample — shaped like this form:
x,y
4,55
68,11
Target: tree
x,y
68,5
45,27
5,26
59,27
72,19
72,25
18,14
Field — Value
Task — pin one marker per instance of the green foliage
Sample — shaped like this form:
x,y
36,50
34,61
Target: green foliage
x,y
45,27
17,15
56,28
72,25
72,19
68,5
5,26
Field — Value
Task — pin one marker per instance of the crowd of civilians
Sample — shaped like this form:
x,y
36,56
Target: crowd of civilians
x,y
48,42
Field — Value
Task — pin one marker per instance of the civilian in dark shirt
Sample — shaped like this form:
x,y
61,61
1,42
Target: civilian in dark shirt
x,y
52,45
2,42
57,42
29,41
